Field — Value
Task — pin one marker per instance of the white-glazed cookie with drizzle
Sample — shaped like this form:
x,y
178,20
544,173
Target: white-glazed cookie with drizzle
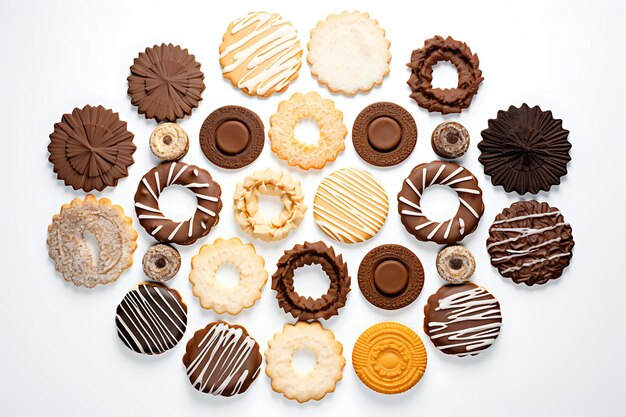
x,y
349,53
350,205
260,54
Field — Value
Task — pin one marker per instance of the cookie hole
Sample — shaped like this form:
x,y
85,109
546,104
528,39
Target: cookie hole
x,y
311,281
167,140
93,245
228,276
303,361
307,131
177,203
439,203
445,75
455,263
270,206
160,263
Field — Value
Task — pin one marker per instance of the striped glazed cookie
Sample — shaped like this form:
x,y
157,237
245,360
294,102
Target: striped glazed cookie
x,y
350,205
151,318
260,54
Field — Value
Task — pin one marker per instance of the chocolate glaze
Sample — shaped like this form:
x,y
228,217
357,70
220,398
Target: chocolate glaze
x,y
384,133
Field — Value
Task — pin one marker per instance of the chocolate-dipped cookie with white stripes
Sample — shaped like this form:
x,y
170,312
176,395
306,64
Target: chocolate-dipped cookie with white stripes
x,y
151,319
530,242
194,178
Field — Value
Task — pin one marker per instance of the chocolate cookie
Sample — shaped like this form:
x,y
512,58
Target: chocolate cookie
x,y
232,137
391,277
447,100
458,178
530,243
196,179
222,359
384,134
525,150
161,262
462,320
91,148
151,318
165,83
450,140
307,308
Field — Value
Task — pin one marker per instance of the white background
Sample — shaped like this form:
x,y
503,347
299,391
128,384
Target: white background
x,y
561,350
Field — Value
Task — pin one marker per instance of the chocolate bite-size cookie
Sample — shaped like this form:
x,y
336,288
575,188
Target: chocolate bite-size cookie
x,y
161,262
232,137
455,264
462,320
530,242
391,276
384,134
450,140
525,150
222,359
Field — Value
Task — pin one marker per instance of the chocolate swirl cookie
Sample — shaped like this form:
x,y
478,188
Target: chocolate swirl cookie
x,y
307,308
530,243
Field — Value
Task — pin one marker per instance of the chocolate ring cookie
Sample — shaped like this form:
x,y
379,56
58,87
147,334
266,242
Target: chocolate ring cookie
x,y
151,319
306,308
447,100
161,262
222,359
450,140
455,264
384,134
391,277
232,137
462,320
196,179
530,242
456,177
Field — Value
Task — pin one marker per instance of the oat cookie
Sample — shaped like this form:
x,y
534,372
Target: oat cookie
x,y
332,131
169,142
318,382
275,183
349,53
70,251
215,296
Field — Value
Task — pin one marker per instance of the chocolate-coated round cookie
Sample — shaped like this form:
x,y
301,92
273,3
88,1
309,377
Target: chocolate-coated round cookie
x,y
525,150
222,359
151,318
232,137
462,320
384,134
391,276
530,242
450,140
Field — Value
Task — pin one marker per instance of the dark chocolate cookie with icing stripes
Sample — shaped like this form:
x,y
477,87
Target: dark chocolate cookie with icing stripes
x,y
530,242
456,177
462,320
151,319
222,359
196,179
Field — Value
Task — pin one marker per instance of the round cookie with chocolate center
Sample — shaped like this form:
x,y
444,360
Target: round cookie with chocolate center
x,y
222,359
161,262
462,320
455,264
530,242
391,277
384,134
450,140
232,137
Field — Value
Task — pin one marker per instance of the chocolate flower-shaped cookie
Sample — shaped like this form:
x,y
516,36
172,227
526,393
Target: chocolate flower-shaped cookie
x,y
525,150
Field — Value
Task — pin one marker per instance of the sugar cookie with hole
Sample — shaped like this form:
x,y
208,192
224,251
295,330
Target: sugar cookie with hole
x,y
220,298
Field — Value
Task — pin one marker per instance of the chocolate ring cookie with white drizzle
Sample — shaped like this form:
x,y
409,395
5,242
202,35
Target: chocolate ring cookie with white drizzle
x,y
452,175
530,243
196,179
462,320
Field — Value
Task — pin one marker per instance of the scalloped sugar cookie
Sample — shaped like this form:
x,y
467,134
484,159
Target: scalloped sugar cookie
x,y
349,53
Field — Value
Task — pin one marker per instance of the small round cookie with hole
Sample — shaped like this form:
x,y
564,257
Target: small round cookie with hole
x,y
450,140
169,142
161,262
220,298
455,264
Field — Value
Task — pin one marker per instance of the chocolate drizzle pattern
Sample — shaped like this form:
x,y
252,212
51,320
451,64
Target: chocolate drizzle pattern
x,y
530,242
450,174
525,150
222,359
91,148
462,320
196,179
166,83
151,319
